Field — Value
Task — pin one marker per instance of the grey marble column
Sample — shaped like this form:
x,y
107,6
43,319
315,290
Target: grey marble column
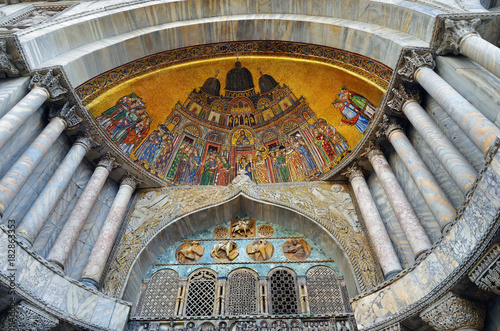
x,y
382,243
419,67
64,243
100,252
18,174
457,166
37,215
42,88
413,230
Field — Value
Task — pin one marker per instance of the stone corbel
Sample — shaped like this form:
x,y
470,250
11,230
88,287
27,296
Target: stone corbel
x,y
411,63
66,113
25,316
455,32
401,95
50,83
486,273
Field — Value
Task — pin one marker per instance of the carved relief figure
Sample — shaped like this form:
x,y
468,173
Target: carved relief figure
x,y
190,252
243,228
225,251
260,250
296,249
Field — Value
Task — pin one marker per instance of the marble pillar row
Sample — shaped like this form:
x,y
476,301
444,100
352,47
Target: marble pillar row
x,y
382,244
42,88
434,197
18,174
457,166
100,252
64,243
415,234
461,37
419,67
37,215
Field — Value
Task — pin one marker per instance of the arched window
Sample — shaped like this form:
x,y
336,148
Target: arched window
x,y
201,293
160,294
241,292
324,290
283,292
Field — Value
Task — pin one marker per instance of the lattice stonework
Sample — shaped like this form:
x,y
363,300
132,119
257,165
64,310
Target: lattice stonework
x,y
201,293
323,287
161,292
283,292
242,293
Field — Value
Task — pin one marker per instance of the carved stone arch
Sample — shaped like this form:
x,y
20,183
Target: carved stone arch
x,y
283,291
158,294
201,292
242,287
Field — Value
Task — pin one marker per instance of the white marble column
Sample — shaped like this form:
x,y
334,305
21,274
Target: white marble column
x,y
37,215
64,243
42,88
303,295
415,234
100,252
457,166
18,174
479,129
382,244
434,197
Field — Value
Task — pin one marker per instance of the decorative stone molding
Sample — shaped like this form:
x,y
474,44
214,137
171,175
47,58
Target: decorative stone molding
x,y
396,327
388,126
50,83
66,113
401,96
455,32
486,273
108,162
413,62
25,316
87,140
7,68
454,313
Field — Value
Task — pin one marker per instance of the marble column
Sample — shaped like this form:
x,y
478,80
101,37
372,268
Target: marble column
x,y
64,243
42,88
37,215
454,313
479,129
263,297
415,234
100,252
435,198
457,166
461,37
382,244
18,174
181,297
303,295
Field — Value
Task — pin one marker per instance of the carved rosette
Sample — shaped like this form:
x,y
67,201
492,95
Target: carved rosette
x,y
401,95
388,126
6,66
50,83
486,274
25,316
455,32
67,113
454,313
108,162
87,140
413,62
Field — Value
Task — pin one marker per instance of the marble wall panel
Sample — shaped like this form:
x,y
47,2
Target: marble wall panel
x,y
12,90
79,302
55,292
103,311
119,318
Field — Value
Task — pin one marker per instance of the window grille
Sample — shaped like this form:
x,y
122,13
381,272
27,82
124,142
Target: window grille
x,y
242,293
161,292
201,293
283,292
323,287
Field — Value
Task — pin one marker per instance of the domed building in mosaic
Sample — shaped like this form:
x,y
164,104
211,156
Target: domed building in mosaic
x,y
250,165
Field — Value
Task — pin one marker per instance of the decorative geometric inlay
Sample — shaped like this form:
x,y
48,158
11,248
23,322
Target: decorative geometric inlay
x,y
486,274
201,293
225,251
260,250
283,292
325,296
243,228
221,232
242,292
265,231
161,292
296,249
189,252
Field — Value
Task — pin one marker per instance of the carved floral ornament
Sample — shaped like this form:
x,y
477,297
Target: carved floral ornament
x,y
455,32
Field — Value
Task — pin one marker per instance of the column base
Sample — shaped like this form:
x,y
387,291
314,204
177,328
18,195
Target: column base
x,y
24,239
57,264
90,283
391,274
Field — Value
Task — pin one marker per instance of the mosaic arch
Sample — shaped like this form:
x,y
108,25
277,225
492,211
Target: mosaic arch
x,y
279,112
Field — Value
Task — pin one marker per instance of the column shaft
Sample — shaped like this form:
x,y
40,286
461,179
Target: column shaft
x,y
481,51
384,249
35,218
413,230
454,162
16,177
23,110
436,199
69,234
102,247
479,129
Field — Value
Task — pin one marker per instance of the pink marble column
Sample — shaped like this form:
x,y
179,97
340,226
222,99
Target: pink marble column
x,y
413,230
384,249
61,249
102,247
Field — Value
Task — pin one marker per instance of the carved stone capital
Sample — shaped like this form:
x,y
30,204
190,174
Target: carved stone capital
x,y
454,313
87,140
66,113
130,181
454,33
354,171
108,162
371,151
50,83
486,274
7,68
401,95
25,316
388,126
413,62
